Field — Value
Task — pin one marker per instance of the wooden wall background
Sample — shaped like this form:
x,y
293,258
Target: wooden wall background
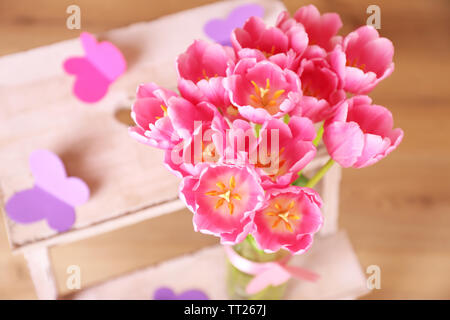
x,y
396,212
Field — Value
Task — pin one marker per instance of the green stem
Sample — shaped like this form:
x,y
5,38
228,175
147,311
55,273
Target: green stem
x,y
301,181
318,136
319,174
252,242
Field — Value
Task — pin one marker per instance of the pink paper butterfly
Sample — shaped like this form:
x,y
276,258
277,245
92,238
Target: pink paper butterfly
x,y
53,197
101,66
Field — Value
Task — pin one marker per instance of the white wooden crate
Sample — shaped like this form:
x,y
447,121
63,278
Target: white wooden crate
x,y
36,99
331,256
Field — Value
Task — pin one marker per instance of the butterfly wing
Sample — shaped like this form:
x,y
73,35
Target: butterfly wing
x,y
242,13
73,191
36,204
47,168
50,175
89,43
104,56
90,84
193,295
164,294
25,206
220,29
74,64
60,215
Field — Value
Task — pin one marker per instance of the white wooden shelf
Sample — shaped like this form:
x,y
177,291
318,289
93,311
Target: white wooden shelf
x,y
332,257
127,180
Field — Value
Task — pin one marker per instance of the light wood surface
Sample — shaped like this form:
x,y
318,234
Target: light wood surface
x,y
397,213
126,178
332,256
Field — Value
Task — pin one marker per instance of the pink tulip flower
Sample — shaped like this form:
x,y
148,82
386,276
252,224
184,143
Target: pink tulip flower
x,y
321,29
281,46
364,60
241,128
278,153
184,116
239,143
149,112
280,159
288,219
195,125
204,60
321,89
224,199
360,134
255,35
262,90
201,70
212,91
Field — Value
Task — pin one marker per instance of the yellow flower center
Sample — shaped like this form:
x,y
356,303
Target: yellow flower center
x,y
354,63
307,91
225,194
264,99
232,111
208,152
205,76
278,162
164,109
283,215
265,53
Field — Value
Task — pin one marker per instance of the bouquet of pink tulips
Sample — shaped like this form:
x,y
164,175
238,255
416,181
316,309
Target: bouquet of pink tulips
x,y
248,118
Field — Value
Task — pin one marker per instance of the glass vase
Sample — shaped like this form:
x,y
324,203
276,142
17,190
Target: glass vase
x,y
237,280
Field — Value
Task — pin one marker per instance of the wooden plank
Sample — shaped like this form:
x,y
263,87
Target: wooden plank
x,y
41,272
329,191
124,176
341,276
328,188
109,225
395,212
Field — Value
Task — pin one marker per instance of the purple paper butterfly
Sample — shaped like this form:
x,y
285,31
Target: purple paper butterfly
x,y
53,197
165,293
220,30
